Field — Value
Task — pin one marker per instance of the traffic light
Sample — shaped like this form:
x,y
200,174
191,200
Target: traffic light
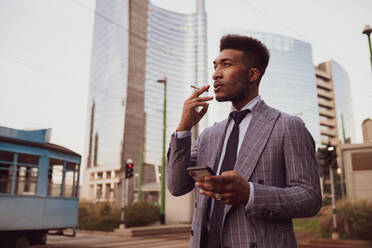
x,y
332,157
326,157
129,169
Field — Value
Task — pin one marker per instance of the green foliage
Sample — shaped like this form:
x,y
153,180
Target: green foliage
x,y
306,225
354,220
141,214
327,201
106,217
98,217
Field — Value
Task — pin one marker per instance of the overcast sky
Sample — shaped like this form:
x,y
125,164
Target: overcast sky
x,y
45,49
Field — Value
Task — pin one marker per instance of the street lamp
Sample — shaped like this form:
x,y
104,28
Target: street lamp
x,y
162,205
367,31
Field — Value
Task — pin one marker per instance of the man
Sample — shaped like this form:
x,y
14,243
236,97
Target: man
x,y
266,173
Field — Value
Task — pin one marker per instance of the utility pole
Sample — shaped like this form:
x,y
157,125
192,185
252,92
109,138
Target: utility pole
x,y
367,31
341,164
326,158
162,205
331,164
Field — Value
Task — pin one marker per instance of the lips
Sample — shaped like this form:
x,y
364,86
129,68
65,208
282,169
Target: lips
x,y
217,86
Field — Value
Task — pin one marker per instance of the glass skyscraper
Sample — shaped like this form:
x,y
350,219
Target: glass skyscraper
x,y
288,83
177,49
135,44
343,101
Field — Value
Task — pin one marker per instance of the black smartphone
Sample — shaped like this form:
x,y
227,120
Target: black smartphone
x,y
198,172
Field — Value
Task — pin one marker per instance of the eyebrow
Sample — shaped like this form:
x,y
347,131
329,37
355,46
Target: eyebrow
x,y
222,60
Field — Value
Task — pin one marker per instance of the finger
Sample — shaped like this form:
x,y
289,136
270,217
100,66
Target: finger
x,y
207,193
203,111
206,98
215,187
198,104
230,176
199,99
195,101
200,91
205,186
217,179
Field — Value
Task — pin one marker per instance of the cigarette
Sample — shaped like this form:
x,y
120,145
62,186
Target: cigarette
x,y
194,87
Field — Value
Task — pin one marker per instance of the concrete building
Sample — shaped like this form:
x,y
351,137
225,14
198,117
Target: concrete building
x,y
136,43
334,103
357,163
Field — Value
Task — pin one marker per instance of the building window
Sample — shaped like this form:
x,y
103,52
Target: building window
x,y
99,191
6,167
108,191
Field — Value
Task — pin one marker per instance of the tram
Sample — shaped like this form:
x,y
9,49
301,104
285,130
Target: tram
x,y
39,187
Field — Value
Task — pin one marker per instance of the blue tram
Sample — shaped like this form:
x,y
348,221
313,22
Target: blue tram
x,y
39,187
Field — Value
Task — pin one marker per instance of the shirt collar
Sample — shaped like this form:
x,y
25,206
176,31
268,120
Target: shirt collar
x,y
250,105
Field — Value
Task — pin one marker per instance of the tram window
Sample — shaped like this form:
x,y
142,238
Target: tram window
x,y
26,180
55,176
27,172
6,165
71,179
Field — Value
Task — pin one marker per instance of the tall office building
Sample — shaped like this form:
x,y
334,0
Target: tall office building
x,y
288,83
334,103
135,44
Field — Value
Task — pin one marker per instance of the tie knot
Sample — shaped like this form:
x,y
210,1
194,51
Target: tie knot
x,y
238,116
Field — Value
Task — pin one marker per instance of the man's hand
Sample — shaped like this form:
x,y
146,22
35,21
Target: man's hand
x,y
233,188
190,116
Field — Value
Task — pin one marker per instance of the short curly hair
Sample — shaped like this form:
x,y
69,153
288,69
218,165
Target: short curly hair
x,y
256,53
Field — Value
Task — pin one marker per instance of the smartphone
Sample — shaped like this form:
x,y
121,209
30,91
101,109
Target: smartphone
x,y
198,172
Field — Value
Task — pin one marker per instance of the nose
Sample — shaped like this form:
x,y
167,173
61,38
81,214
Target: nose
x,y
216,75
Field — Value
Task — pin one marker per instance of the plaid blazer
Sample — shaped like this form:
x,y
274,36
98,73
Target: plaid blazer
x,y
277,155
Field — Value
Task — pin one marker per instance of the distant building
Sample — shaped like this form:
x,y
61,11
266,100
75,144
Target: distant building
x,y
357,163
136,43
367,130
334,103
288,83
335,113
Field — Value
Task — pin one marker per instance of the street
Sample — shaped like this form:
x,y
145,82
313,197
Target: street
x,y
88,240
114,240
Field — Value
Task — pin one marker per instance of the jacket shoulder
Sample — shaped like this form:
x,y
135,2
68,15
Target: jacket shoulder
x,y
216,126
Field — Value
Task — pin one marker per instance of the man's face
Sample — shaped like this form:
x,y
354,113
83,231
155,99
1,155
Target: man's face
x,y
230,76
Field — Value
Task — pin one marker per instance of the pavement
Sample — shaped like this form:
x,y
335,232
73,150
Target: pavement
x,y
112,240
328,243
170,236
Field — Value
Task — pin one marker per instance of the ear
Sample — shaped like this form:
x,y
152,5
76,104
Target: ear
x,y
253,74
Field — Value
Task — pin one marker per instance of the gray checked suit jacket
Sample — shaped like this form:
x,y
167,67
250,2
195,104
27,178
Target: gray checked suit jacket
x,y
277,155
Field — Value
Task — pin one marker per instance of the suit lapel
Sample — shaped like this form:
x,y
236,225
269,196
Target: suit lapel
x,y
255,139
259,130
